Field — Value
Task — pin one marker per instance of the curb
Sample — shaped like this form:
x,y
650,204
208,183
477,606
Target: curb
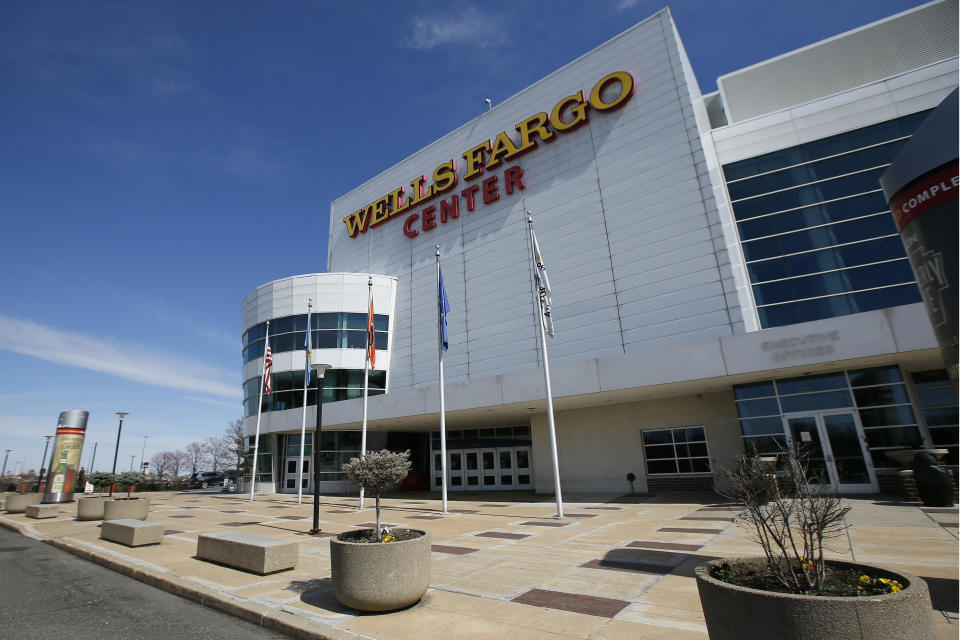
x,y
252,612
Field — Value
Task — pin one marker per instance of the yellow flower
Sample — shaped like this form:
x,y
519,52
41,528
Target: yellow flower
x,y
885,580
864,578
389,539
894,588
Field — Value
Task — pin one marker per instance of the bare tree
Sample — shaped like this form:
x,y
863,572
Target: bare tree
x,y
236,444
179,460
198,455
218,450
160,463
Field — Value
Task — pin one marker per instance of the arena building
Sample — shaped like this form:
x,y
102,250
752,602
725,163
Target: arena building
x,y
725,273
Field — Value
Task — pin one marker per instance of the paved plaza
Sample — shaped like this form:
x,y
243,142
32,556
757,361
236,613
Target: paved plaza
x,y
503,567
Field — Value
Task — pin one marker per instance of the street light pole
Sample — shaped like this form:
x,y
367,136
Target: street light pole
x,y
132,457
3,474
93,456
43,461
320,369
116,450
142,449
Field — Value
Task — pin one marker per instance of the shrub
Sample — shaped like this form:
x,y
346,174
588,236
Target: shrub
x,y
376,471
791,515
101,479
130,479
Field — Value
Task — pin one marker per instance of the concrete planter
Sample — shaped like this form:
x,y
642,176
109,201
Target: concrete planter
x,y
380,577
17,502
90,508
124,509
734,613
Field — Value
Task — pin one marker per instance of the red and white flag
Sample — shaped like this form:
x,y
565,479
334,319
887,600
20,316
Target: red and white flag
x,y
268,365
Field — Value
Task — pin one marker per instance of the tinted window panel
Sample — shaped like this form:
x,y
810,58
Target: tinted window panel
x,y
380,322
927,378
325,320
356,320
834,282
657,437
381,339
886,416
281,325
872,396
754,408
944,437
836,211
908,437
827,259
808,195
354,339
761,426
661,466
753,390
877,375
940,417
835,234
805,384
795,312
936,397
814,401
326,339
282,343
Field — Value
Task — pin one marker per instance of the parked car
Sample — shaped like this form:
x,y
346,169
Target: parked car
x,y
206,479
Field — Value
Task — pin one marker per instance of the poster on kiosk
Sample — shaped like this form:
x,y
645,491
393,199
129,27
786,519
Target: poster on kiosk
x,y
65,459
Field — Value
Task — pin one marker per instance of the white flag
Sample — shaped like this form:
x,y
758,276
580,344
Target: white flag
x,y
543,286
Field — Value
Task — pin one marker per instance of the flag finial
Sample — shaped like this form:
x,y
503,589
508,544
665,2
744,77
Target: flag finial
x,y
438,251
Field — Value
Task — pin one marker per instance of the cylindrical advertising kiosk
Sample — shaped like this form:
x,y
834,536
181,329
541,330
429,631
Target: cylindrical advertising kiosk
x,y
65,458
921,186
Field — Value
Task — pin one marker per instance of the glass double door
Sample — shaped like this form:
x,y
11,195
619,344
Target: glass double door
x,y
502,468
290,474
836,448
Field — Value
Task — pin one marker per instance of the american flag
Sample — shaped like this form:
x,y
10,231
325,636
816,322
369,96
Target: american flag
x,y
268,365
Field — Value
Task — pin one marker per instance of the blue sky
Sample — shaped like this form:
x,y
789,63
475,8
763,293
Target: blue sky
x,y
160,160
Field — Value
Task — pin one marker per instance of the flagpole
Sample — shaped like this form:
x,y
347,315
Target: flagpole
x,y
303,422
366,382
546,377
443,415
256,439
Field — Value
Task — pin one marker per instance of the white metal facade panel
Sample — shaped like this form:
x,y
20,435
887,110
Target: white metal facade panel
x,y
911,39
624,213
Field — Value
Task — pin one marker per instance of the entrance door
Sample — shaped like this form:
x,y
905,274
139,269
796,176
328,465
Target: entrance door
x,y
488,469
290,475
524,470
837,449
471,470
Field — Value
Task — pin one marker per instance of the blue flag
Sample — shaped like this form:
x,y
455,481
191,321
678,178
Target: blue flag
x,y
444,306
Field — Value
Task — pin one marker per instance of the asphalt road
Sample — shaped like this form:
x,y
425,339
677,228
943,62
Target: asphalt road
x,y
47,593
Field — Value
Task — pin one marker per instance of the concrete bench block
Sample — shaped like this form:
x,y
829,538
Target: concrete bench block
x,y
133,533
257,554
42,510
17,502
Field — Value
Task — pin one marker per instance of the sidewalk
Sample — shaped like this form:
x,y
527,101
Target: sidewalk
x,y
614,568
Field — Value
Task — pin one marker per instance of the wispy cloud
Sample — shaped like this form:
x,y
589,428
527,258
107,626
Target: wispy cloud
x,y
468,27
220,403
623,5
165,312
133,362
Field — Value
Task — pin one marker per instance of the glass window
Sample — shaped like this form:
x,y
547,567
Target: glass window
x,y
806,310
816,401
827,236
755,408
936,397
281,325
356,320
903,437
325,321
300,323
282,343
805,384
808,195
835,211
753,390
876,375
942,416
834,282
887,416
381,340
381,322
762,426
852,255
871,396
681,450
353,339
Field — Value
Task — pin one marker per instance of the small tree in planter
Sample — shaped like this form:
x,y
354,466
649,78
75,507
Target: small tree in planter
x,y
792,592
130,479
375,472
100,480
